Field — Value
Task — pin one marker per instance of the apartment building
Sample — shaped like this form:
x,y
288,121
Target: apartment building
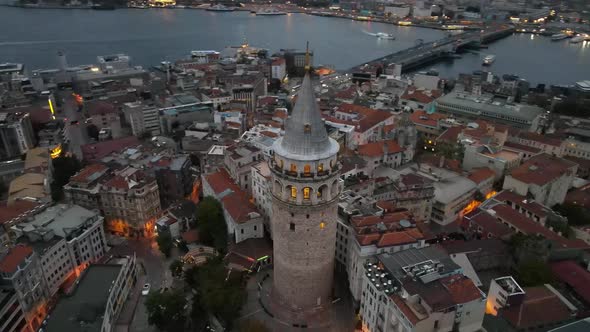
x,y
66,238
238,160
16,134
419,290
130,202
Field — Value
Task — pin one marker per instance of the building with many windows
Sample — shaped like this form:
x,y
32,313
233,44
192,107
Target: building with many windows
x,y
470,107
12,317
419,290
98,298
16,135
20,270
66,238
130,202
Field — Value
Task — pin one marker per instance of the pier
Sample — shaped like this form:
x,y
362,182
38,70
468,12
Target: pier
x,y
424,53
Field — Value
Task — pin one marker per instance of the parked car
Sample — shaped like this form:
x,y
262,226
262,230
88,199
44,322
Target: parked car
x,y
146,289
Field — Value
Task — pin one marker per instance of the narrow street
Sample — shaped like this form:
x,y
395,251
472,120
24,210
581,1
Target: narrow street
x,y
153,268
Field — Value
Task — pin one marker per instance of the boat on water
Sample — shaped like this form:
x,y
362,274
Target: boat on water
x,y
383,35
270,12
558,36
577,39
489,59
220,8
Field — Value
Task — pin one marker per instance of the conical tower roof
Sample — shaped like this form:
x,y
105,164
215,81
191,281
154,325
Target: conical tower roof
x,y
305,133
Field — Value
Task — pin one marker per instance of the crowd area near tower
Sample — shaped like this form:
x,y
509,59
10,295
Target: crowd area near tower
x,y
408,203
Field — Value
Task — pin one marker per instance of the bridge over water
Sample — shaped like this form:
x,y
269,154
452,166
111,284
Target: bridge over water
x,y
424,53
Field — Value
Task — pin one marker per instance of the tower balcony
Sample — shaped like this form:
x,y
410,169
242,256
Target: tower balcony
x,y
306,176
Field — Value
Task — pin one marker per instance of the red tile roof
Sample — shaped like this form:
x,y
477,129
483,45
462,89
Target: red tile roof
x,y
422,118
574,276
376,149
269,134
520,147
451,135
541,307
530,205
528,226
420,95
542,169
349,93
479,175
15,256
16,209
237,203
369,117
220,181
461,288
543,139
488,223
89,173
97,151
405,309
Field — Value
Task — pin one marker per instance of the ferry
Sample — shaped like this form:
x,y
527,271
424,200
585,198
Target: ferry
x,y
489,59
220,8
558,36
577,39
270,12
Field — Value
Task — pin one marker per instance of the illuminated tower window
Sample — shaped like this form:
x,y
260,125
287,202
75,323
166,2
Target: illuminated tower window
x,y
281,163
306,169
320,167
293,192
293,168
322,225
306,192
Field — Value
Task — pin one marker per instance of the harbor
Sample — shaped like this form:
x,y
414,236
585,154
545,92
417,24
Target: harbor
x,y
338,43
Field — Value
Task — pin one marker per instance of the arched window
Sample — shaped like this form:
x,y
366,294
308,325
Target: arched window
x,y
293,192
320,167
281,163
306,169
293,168
322,225
306,192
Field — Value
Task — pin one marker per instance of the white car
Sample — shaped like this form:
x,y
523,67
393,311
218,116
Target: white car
x,y
146,289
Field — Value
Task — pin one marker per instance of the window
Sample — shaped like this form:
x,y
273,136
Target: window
x,y
306,192
293,192
320,167
280,163
292,226
293,168
322,225
306,169
255,227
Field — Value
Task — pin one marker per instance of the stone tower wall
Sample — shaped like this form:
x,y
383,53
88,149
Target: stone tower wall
x,y
304,244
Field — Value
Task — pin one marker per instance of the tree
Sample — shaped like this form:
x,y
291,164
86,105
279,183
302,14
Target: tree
x,y
576,215
63,168
166,310
534,272
199,316
221,294
252,325
164,241
176,268
211,223
191,277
